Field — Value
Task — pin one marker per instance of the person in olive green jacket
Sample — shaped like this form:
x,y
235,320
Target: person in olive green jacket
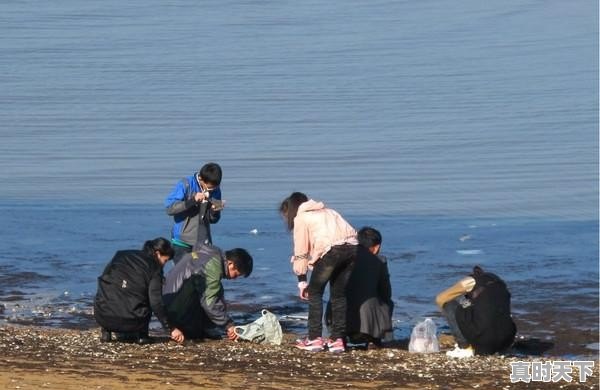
x,y
193,293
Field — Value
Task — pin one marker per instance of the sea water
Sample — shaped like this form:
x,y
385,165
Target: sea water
x,y
467,134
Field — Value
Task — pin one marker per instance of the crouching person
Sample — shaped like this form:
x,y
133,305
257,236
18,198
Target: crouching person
x,y
193,292
477,309
129,291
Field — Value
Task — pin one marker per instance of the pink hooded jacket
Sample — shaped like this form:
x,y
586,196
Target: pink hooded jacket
x,y
316,230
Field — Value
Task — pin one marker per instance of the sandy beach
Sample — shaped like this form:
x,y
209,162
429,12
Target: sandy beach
x,y
48,358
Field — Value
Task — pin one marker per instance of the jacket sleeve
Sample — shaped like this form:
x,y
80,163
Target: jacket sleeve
x,y
156,303
385,287
301,239
460,288
178,200
212,300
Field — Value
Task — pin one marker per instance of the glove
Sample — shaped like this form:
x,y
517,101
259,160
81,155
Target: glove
x,y
303,293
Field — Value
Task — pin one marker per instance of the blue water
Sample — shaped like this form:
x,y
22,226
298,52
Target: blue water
x,y
467,133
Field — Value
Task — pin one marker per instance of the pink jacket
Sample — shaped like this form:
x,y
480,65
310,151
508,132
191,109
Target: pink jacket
x,y
316,230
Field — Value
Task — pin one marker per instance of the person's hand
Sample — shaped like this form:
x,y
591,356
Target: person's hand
x,y
231,335
303,290
217,205
177,336
200,196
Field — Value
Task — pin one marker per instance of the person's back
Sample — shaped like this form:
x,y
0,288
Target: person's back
x,y
193,292
477,309
370,294
369,297
122,297
487,322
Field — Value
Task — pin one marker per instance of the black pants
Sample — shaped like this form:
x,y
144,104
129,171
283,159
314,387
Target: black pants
x,y
185,311
449,311
334,267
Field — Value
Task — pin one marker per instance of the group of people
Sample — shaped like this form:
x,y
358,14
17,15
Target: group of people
x,y
189,302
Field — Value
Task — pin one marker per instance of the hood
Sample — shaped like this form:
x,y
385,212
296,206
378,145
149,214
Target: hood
x,y
311,205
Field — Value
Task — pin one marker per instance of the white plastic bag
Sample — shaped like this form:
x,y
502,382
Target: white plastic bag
x,y
423,338
266,329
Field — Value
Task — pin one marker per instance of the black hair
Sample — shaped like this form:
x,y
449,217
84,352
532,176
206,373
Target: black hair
x,y
162,245
241,259
368,237
289,207
211,173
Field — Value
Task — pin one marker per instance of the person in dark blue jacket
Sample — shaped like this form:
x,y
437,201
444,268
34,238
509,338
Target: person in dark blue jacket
x,y
194,203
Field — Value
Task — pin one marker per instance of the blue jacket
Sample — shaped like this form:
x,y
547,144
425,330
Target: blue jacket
x,y
192,219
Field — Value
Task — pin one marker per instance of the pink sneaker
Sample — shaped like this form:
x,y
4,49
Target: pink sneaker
x,y
336,345
315,345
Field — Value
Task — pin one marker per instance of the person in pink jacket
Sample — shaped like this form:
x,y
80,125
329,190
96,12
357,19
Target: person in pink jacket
x,y
327,244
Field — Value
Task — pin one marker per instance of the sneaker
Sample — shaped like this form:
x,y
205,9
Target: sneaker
x,y
336,345
461,353
314,345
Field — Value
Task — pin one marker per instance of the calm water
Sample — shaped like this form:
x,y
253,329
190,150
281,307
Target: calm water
x,y
429,122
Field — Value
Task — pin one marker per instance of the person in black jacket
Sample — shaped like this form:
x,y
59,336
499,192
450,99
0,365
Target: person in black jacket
x,y
370,303
130,290
369,296
477,309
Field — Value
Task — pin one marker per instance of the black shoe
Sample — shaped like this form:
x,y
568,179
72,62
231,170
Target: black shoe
x,y
105,336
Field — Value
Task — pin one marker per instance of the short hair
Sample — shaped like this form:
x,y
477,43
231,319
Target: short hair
x,y
289,207
211,173
241,259
160,244
369,237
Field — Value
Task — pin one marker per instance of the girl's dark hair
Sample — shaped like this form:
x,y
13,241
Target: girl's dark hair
x,y
289,207
368,237
162,245
241,259
211,173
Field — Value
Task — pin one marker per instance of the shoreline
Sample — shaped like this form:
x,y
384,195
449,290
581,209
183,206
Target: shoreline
x,y
50,358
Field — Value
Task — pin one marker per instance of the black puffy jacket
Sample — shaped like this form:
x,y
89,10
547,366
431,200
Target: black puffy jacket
x,y
129,291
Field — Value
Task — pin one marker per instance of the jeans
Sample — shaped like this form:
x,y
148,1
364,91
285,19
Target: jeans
x,y
334,267
449,311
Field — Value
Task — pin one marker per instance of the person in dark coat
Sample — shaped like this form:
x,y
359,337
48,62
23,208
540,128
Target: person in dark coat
x,y
477,309
370,303
130,290
369,293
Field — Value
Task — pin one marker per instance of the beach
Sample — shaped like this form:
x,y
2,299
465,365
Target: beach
x,y
50,358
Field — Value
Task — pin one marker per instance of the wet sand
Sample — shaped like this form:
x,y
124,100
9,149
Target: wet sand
x,y
48,358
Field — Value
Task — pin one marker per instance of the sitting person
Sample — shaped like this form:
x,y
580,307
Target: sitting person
x,y
369,293
370,305
193,292
477,309
129,291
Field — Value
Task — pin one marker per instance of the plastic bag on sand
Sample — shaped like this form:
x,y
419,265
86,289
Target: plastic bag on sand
x,y
266,329
423,338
